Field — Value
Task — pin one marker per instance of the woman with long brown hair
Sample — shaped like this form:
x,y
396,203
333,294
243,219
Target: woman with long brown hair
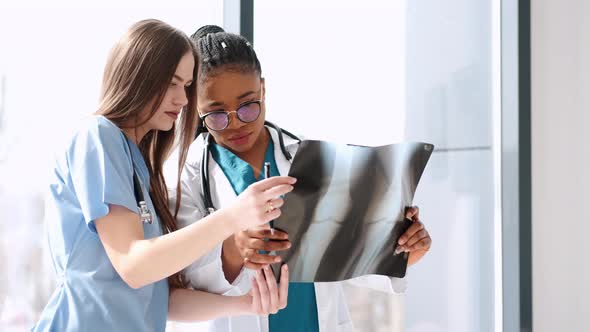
x,y
115,246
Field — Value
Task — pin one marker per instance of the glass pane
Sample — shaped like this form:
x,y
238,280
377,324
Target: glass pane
x,y
376,72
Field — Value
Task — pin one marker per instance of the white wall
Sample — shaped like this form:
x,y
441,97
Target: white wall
x,y
561,164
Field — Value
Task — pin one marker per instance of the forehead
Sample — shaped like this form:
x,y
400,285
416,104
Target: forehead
x,y
228,85
185,66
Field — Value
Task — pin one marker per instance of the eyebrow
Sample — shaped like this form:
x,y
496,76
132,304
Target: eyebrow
x,y
181,79
243,95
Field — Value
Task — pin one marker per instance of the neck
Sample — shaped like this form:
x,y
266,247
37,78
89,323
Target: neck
x,y
136,134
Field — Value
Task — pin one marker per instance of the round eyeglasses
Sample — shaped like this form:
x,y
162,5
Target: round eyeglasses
x,y
219,120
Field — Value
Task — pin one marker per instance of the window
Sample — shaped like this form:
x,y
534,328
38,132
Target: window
x,y
377,72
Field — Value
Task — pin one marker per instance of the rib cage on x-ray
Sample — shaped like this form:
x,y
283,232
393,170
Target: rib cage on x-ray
x,y
347,209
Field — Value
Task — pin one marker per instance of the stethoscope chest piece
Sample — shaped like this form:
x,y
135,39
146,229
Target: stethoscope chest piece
x,y
144,213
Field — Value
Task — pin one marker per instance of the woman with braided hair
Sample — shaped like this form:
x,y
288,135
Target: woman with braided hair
x,y
228,154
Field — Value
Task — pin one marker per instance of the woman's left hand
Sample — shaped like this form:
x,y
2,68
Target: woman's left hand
x,y
416,240
266,297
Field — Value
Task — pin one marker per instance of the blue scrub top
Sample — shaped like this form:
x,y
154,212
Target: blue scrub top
x,y
301,313
95,171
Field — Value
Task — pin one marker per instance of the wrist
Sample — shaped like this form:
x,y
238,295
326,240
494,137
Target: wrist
x,y
231,260
228,221
244,305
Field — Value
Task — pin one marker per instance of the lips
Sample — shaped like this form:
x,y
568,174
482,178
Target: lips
x,y
240,139
239,136
173,115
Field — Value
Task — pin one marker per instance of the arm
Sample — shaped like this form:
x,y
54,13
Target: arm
x,y
246,246
142,261
183,304
265,298
242,249
231,261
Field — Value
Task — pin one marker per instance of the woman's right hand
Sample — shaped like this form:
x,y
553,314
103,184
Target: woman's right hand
x,y
252,242
266,297
260,202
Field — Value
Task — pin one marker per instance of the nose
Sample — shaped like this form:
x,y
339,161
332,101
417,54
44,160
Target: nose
x,y
180,98
234,122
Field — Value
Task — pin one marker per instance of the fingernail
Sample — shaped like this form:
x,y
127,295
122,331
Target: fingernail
x,y
397,251
401,240
278,259
285,267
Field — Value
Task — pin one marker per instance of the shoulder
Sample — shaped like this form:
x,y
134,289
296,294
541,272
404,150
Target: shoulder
x,y
97,137
104,130
97,130
289,139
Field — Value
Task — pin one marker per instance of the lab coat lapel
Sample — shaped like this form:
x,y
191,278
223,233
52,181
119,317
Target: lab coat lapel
x,y
222,192
283,164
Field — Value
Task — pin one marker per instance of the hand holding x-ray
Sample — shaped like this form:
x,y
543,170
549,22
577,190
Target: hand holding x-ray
x,y
348,209
416,240
254,243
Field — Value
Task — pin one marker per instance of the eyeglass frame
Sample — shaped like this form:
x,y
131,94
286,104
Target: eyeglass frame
x,y
227,114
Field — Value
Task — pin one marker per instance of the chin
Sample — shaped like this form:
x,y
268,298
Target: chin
x,y
166,126
240,148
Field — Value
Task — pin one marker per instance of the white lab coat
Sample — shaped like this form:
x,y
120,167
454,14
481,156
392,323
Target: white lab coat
x,y
207,274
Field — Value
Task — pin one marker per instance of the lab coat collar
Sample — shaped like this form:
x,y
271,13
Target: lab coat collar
x,y
291,145
222,193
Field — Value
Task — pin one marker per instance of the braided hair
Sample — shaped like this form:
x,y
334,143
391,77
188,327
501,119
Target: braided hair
x,y
218,50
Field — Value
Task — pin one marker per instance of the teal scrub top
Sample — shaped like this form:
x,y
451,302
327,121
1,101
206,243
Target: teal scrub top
x,y
96,170
301,313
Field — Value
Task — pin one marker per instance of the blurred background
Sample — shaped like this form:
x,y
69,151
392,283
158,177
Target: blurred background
x,y
457,73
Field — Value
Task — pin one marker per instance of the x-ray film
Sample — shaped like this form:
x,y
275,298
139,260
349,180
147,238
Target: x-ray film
x,y
347,210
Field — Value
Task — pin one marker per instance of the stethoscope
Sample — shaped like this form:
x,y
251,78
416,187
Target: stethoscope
x,y
205,189
145,215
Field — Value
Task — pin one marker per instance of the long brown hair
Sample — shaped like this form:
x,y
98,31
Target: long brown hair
x,y
136,77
